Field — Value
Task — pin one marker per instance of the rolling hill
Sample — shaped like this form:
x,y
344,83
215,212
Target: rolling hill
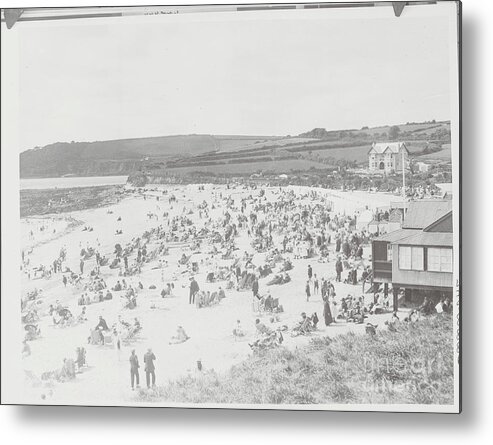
x,y
182,155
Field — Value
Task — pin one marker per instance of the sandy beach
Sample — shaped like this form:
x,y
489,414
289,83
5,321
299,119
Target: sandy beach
x,y
106,379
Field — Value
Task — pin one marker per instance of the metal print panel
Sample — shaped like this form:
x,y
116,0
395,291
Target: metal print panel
x,y
236,207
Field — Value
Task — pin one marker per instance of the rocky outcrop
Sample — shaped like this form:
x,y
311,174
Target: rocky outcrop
x,y
138,179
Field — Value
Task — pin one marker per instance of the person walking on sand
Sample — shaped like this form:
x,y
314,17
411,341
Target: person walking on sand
x,y
339,269
307,291
134,369
194,288
149,358
315,285
333,308
327,314
310,272
255,287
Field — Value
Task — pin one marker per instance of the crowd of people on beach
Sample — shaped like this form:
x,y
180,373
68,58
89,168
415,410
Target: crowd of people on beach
x,y
244,239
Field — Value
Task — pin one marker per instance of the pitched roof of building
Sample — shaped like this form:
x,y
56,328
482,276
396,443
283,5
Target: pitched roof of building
x,y
381,147
428,239
438,221
422,213
395,215
397,235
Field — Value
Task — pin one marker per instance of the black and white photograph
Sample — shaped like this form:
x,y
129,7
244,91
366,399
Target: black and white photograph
x,y
232,206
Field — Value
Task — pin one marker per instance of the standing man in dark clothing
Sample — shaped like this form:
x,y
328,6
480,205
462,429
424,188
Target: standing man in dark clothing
x,y
310,273
255,287
134,369
346,249
339,269
149,358
194,288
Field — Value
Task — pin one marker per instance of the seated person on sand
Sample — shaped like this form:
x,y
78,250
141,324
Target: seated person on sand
x,y
268,302
413,316
200,299
213,298
26,349
276,280
261,329
359,316
59,318
265,336
170,288
287,265
180,337
136,326
377,308
101,327
393,322
305,325
117,287
68,319
80,359
238,330
221,294
68,370
123,324
130,302
427,307
81,318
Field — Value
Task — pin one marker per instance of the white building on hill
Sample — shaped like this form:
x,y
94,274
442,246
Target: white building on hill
x,y
387,157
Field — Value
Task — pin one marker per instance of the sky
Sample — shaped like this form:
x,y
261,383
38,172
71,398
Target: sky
x,y
231,73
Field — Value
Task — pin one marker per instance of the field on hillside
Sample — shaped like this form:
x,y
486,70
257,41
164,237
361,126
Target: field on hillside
x,y
277,166
234,142
321,146
442,155
359,153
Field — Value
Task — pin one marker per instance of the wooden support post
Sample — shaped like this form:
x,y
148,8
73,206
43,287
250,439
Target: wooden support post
x,y
395,292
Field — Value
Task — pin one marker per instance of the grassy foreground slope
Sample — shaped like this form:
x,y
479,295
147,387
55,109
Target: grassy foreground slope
x,y
411,366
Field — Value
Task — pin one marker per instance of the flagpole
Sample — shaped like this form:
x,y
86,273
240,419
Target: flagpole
x,y
404,182
403,176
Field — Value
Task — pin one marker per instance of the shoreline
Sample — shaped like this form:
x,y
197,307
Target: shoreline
x,y
54,201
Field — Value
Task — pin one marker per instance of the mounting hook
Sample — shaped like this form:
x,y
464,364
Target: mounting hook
x,y
11,16
398,7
